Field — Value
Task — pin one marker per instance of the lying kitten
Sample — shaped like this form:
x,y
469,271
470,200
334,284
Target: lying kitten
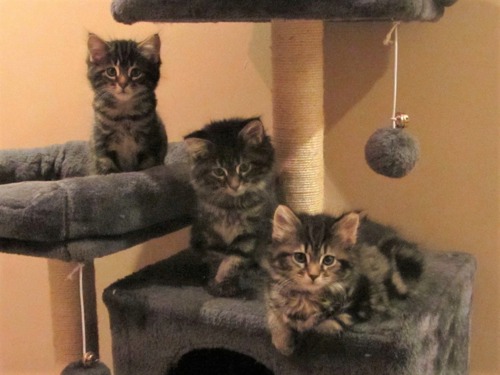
x,y
323,270
128,134
232,175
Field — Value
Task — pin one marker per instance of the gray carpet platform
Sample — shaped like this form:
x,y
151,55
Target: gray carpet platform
x,y
51,207
162,313
131,11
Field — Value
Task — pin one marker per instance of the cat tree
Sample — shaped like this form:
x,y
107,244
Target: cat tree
x,y
149,307
75,220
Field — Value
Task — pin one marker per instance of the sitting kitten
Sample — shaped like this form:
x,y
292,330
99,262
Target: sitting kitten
x,y
233,178
320,268
128,134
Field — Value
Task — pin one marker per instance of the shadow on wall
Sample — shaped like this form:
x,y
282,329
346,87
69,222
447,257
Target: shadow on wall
x,y
355,59
448,83
260,52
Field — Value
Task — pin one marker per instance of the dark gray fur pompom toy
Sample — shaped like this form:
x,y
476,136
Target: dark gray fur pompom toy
x,y
392,152
89,365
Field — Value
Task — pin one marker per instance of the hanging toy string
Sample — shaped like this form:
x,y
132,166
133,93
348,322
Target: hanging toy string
x,y
82,308
390,151
90,362
397,120
88,357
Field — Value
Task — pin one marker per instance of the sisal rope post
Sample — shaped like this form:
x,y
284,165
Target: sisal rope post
x,y
66,310
298,115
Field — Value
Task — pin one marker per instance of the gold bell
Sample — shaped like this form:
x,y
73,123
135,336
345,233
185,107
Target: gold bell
x,y
89,359
401,120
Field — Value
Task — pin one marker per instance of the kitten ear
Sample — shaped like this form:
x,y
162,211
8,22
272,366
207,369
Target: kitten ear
x,y
197,147
150,48
253,133
98,49
347,228
285,223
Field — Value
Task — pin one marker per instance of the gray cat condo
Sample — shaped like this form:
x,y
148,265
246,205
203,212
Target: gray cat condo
x,y
162,320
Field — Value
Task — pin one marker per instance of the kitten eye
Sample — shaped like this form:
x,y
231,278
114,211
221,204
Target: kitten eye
x,y
111,72
219,172
300,257
243,167
328,260
135,73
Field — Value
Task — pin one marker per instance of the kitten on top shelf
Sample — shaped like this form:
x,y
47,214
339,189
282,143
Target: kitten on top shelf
x,y
127,134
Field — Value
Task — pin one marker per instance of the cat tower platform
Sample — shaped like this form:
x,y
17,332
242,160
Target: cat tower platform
x,y
161,316
51,207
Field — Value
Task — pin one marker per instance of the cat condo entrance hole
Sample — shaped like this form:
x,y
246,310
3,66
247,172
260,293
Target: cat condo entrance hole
x,y
218,361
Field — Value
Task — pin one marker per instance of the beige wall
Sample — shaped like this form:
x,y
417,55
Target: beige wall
x,y
449,84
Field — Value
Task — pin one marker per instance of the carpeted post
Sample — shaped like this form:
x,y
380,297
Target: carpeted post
x,y
298,116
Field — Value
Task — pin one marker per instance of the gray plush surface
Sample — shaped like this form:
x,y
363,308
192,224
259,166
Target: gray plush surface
x,y
131,11
54,162
162,312
50,207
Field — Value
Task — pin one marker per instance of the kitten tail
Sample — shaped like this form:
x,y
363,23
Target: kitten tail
x,y
407,262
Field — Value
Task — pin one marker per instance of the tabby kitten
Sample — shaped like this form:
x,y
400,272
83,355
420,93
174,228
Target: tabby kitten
x,y
325,271
233,178
128,134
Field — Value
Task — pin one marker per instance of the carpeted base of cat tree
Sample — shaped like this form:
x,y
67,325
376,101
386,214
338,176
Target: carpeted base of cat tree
x,y
161,316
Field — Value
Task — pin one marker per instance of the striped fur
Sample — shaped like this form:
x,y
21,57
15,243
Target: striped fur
x,y
324,270
128,134
233,177
309,272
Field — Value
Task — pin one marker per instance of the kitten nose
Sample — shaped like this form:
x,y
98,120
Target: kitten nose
x,y
233,182
122,81
313,271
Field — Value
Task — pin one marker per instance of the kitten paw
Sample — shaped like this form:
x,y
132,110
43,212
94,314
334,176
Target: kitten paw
x,y
105,166
284,344
329,327
227,288
346,319
335,325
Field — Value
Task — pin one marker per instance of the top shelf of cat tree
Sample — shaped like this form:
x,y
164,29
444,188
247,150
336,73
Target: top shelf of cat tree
x,y
131,11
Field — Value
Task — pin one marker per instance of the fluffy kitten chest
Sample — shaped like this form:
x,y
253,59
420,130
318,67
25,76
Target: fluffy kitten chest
x,y
302,312
124,142
229,224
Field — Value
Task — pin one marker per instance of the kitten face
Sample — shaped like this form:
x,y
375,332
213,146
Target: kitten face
x,y
231,159
123,69
311,252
